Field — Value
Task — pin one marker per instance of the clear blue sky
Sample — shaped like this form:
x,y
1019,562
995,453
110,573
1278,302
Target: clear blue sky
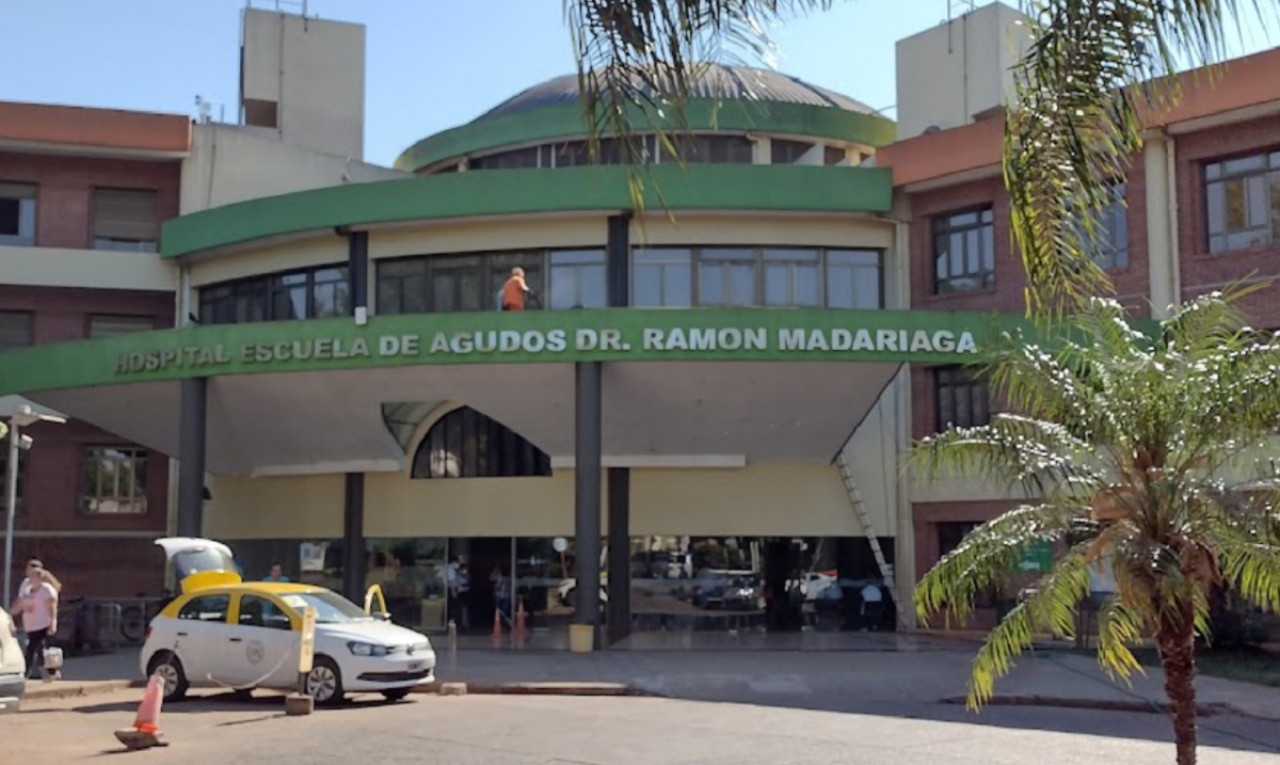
x,y
432,64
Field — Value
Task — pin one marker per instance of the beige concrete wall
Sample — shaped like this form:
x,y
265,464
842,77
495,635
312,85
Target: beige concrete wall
x,y
314,70
397,506
308,507
490,235
328,248
97,269
949,73
233,163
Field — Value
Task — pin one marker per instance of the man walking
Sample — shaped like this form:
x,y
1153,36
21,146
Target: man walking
x,y
514,291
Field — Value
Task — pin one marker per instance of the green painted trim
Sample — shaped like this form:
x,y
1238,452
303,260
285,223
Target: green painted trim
x,y
200,351
561,122
788,188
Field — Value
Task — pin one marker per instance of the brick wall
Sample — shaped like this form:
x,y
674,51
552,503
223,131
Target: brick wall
x,y
63,314
64,193
119,567
1202,272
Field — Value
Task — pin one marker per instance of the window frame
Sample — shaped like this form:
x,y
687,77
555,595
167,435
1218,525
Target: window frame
x,y
226,609
460,434
120,317
140,455
1214,172
941,225
949,380
30,317
577,269
225,299
120,244
18,239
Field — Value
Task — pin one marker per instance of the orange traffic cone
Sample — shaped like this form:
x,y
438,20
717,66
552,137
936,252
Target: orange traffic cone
x,y
497,628
146,725
521,618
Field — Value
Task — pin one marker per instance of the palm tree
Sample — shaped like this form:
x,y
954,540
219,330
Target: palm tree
x,y
1146,454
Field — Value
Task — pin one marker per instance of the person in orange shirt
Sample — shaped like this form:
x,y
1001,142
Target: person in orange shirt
x,y
514,291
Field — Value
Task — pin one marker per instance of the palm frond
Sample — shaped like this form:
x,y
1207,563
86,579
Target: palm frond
x,y
986,557
1092,72
1252,567
1036,456
1119,627
1052,605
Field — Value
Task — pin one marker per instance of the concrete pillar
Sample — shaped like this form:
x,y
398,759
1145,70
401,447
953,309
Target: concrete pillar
x,y
353,549
192,435
1162,221
619,566
587,451
618,263
358,273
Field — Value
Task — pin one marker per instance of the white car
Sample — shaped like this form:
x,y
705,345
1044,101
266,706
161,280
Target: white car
x,y
13,666
224,632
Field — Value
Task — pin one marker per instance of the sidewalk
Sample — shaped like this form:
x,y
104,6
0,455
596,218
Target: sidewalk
x,y
886,682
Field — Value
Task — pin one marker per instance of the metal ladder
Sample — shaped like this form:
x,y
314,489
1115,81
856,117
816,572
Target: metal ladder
x,y
860,509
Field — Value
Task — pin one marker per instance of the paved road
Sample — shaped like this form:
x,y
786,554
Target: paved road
x,y
510,730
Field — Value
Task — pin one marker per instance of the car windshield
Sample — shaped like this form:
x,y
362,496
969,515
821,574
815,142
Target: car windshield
x,y
201,559
330,607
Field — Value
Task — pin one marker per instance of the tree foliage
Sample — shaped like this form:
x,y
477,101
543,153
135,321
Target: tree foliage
x,y
1147,454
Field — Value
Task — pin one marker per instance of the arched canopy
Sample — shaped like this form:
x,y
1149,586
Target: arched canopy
x,y
467,444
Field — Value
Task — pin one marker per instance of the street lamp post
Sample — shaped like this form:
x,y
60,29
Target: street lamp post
x,y
23,418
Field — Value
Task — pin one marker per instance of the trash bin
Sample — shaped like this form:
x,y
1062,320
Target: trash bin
x,y
582,638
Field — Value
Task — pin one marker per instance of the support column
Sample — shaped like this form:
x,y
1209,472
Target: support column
x,y
618,269
619,553
193,416
353,550
1162,224
358,274
587,450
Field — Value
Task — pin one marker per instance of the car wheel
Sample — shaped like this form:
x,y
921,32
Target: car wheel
x,y
396,694
169,668
324,681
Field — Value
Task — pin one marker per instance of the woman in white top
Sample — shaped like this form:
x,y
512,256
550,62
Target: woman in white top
x,y
37,610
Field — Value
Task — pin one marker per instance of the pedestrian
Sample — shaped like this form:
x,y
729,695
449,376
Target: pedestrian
x,y
872,601
277,574
458,583
37,611
515,291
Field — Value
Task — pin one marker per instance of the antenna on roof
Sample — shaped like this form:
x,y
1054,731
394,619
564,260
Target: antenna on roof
x,y
963,6
204,111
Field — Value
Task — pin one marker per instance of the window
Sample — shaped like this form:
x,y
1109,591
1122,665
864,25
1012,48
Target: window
x,y
783,152
727,277
256,611
577,280
467,444
102,326
952,533
964,252
311,294
963,398
125,220
116,481
711,149
15,330
833,155
1243,200
18,214
449,283
206,608
457,283
662,278
402,286
853,279
792,278
499,267
1112,236
517,159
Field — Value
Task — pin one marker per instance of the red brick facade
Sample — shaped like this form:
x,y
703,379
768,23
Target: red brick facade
x,y
94,555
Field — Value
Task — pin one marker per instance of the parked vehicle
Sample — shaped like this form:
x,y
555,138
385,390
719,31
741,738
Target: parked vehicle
x,y
224,632
13,666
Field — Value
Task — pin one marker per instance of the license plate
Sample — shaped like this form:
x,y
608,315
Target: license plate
x,y
415,666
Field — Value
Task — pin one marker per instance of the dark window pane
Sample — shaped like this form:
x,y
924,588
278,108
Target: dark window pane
x,y
964,251
467,444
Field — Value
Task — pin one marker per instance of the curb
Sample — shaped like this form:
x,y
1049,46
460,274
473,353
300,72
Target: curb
x,y
529,689
56,691
1111,705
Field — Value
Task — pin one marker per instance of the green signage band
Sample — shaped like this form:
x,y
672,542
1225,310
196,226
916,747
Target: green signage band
x,y
506,338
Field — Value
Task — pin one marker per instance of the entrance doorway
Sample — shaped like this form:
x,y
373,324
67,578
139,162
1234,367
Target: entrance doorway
x,y
488,565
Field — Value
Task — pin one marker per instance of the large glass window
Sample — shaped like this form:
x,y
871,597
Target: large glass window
x,y
115,481
466,444
402,286
784,152
727,277
1243,202
309,294
18,214
711,149
963,398
854,279
500,266
1112,240
15,329
952,533
516,159
411,573
457,283
662,278
578,279
964,252
792,278
125,219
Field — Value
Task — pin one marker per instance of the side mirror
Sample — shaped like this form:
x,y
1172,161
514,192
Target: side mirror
x,y
381,616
